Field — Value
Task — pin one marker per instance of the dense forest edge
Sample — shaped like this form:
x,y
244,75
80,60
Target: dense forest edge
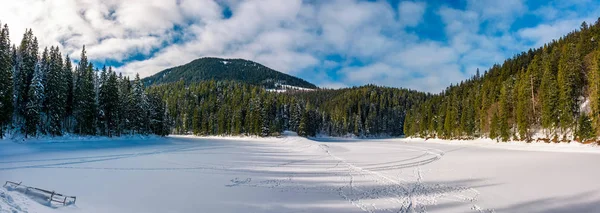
x,y
45,95
549,94
234,108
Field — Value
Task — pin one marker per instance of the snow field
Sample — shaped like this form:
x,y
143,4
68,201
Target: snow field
x,y
294,174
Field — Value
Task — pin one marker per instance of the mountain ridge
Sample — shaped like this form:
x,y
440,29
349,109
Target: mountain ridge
x,y
222,69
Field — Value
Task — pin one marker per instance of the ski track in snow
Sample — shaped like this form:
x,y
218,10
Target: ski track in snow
x,y
390,194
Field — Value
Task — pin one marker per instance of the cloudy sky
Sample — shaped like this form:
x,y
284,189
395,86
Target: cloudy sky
x,y
423,45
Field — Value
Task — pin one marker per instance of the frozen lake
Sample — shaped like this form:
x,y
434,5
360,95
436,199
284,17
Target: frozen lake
x,y
294,174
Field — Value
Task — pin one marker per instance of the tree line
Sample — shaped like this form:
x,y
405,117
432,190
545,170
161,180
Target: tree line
x,y
551,93
45,94
236,108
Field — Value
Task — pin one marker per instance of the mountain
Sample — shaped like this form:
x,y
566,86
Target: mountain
x,y
219,69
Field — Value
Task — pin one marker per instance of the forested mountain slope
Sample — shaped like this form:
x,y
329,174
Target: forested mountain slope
x,y
234,108
549,93
227,70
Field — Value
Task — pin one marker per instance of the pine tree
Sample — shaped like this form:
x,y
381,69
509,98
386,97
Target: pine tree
x,y
140,109
593,65
45,67
358,130
69,82
158,122
102,99
6,80
549,94
109,102
125,105
265,121
450,117
523,107
505,110
26,63
535,72
34,103
56,90
569,69
584,128
494,126
85,98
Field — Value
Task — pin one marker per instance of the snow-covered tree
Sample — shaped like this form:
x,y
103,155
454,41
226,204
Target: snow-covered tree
x,y
34,103
56,92
26,62
109,101
69,82
6,82
140,104
85,98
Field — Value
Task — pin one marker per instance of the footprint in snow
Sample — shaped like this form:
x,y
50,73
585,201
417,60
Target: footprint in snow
x,y
237,182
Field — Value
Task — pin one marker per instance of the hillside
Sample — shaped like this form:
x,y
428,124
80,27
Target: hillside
x,y
550,93
227,70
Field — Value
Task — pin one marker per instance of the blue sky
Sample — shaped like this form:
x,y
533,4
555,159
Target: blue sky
x,y
424,45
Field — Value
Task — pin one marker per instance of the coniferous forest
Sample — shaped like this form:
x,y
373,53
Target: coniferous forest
x,y
551,93
234,108
44,93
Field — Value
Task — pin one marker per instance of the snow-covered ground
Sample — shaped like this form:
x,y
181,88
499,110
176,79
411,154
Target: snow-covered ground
x,y
293,174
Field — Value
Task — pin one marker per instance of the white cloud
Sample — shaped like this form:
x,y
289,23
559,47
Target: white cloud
x,y
294,36
544,33
411,13
502,13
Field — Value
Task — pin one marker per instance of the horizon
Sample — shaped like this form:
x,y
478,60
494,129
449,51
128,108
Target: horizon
x,y
419,45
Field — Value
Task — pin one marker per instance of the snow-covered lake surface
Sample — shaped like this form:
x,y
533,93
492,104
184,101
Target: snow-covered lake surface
x,y
293,174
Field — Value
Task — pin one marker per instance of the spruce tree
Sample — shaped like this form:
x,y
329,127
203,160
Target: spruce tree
x,y
593,64
584,128
56,91
34,103
125,105
265,121
102,99
523,106
158,122
26,62
140,109
505,110
6,80
69,82
494,125
85,98
569,70
109,102
549,94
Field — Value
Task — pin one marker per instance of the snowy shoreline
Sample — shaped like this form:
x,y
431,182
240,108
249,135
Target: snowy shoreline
x,y
575,147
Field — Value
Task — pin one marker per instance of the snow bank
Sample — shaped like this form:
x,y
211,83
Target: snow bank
x,y
516,145
16,202
72,138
